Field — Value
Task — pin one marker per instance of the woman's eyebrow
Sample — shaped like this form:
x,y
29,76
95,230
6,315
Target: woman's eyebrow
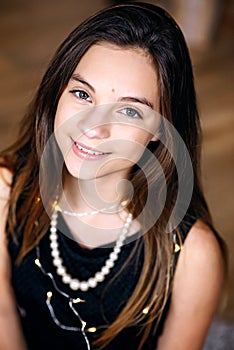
x,y
77,77
142,100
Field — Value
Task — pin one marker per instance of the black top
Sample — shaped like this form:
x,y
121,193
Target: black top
x,y
102,304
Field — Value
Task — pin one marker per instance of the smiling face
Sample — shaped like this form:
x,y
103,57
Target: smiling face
x,y
106,114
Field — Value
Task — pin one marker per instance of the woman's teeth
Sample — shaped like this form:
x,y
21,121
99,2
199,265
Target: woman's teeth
x,y
88,151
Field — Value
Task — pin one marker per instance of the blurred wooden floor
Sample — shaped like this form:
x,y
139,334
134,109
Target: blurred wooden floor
x,y
31,31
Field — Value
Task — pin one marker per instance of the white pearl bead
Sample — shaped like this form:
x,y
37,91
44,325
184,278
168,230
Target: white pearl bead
x,y
99,277
109,263
61,270
53,229
54,245
117,250
124,232
113,256
84,286
57,261
119,244
74,284
105,270
92,282
53,237
129,219
55,253
53,222
66,279
121,240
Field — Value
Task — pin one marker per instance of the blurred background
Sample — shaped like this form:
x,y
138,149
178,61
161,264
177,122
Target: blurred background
x,y
31,30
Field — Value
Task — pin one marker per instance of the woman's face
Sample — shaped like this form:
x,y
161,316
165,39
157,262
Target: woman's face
x,y
106,115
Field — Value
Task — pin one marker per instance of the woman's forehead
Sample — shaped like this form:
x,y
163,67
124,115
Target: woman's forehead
x,y
120,70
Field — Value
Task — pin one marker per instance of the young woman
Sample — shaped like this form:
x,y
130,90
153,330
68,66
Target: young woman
x,y
101,192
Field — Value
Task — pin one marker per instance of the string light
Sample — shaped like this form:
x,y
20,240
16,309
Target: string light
x,y
37,262
177,248
38,199
145,310
92,329
78,300
49,295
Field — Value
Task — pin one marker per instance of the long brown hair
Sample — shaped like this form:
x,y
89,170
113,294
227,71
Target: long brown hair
x,y
132,25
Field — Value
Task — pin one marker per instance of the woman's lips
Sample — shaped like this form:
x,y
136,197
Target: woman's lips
x,y
86,152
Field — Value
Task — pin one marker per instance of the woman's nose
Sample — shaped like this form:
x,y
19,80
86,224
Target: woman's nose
x,y
95,123
95,131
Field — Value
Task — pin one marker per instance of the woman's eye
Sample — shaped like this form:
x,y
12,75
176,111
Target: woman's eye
x,y
81,94
131,112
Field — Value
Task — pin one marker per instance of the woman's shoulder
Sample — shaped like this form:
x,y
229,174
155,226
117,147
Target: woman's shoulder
x,y
196,289
5,188
5,182
202,254
202,251
202,241
201,266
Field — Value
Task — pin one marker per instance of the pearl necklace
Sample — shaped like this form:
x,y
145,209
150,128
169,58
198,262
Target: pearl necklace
x,y
99,276
93,212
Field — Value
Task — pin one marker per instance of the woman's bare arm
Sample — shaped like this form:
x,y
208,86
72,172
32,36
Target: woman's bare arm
x,y
196,290
11,337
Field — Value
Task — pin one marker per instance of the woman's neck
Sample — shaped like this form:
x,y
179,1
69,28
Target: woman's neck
x,y
94,194
103,195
